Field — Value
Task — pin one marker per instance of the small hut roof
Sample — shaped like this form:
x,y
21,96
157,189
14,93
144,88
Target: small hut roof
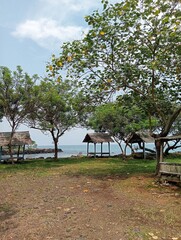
x,y
98,138
169,138
140,137
19,138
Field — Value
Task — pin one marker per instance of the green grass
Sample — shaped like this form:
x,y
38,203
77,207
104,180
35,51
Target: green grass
x,y
82,166
173,158
98,167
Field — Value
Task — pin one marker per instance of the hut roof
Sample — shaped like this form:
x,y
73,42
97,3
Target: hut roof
x,y
170,138
140,137
19,138
98,138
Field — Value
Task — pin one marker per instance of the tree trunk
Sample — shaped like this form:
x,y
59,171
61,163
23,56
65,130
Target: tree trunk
x,y
164,133
56,149
10,145
130,146
119,144
157,147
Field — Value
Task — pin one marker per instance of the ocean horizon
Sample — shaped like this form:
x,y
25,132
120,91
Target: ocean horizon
x,y
81,149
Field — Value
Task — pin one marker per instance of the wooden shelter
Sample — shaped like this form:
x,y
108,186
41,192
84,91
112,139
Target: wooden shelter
x,y
169,171
141,138
98,138
19,140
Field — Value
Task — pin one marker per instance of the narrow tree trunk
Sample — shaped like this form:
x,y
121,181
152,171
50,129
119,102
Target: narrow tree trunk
x,y
130,146
119,144
157,146
10,146
56,149
55,140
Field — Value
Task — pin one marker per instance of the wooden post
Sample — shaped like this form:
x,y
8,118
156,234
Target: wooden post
x,y
1,149
94,149
161,151
109,148
101,149
132,148
23,151
18,151
87,149
125,149
144,153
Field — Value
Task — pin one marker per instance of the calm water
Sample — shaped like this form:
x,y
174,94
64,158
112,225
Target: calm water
x,y
74,150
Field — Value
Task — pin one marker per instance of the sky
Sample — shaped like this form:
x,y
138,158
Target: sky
x,y
31,31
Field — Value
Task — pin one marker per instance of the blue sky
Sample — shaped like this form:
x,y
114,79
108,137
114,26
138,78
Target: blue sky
x,y
31,31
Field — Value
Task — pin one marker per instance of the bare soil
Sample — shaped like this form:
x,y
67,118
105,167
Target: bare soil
x,y
60,207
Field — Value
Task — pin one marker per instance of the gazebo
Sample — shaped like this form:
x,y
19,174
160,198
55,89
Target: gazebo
x,y
141,138
19,140
98,138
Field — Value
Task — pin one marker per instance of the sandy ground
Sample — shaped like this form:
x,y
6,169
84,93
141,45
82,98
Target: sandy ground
x,y
35,207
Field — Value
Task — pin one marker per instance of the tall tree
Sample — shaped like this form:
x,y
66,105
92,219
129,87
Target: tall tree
x,y
15,88
51,109
119,119
133,46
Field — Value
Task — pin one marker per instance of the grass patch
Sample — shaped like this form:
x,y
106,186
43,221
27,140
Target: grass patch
x,y
82,166
173,158
99,167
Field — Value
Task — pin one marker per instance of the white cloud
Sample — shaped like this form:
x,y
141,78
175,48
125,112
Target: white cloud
x,y
46,32
55,21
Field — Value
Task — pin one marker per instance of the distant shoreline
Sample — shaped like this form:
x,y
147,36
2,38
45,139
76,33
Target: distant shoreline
x,y
34,151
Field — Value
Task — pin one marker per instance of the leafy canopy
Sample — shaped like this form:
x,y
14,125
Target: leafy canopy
x,y
52,110
15,89
133,47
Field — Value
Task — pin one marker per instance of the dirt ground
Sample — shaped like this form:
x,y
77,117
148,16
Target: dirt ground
x,y
55,207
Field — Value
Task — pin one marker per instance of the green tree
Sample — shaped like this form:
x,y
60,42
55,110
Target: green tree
x,y
119,119
15,88
51,109
132,46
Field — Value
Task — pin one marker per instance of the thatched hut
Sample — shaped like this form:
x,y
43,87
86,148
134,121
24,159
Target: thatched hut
x,y
98,138
141,138
19,140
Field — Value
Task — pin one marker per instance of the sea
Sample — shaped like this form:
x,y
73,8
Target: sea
x,y
78,150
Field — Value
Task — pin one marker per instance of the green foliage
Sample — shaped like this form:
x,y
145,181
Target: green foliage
x,y
176,127
52,109
120,118
116,118
134,47
15,88
51,106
